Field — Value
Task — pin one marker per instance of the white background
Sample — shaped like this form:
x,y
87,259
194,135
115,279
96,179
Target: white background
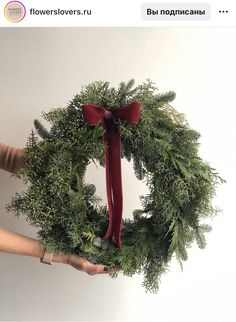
x,y
42,69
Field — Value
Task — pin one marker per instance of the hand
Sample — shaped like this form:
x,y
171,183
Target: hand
x,y
84,265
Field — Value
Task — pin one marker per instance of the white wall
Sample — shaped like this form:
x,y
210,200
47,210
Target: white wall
x,y
43,68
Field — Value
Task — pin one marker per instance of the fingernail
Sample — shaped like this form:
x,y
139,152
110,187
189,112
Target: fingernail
x,y
105,269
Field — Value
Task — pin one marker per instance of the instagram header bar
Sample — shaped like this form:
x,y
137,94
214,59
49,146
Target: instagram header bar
x,y
120,13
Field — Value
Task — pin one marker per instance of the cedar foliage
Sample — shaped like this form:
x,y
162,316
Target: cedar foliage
x,y
164,152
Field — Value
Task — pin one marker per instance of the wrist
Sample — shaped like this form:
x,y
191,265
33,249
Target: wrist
x,y
61,258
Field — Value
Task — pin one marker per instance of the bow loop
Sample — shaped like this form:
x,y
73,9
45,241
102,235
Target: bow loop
x,y
129,113
93,114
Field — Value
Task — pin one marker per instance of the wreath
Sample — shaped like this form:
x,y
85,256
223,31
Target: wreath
x,y
164,152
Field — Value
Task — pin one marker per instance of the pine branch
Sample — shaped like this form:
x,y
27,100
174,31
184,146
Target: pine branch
x,y
41,130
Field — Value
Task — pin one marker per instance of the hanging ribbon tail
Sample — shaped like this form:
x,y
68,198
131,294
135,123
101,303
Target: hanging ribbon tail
x,y
94,114
109,232
116,185
131,114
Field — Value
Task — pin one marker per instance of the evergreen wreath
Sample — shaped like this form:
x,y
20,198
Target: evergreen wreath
x,y
164,152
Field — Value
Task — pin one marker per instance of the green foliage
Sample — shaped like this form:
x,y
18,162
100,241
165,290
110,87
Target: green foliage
x,y
164,152
41,130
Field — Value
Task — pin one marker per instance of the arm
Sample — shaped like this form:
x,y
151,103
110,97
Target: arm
x,y
12,159
11,242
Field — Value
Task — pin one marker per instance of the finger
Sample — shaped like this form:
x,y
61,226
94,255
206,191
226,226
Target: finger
x,y
107,270
98,269
102,269
93,269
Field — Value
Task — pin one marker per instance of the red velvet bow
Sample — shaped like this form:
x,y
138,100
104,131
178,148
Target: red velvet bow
x,y
94,114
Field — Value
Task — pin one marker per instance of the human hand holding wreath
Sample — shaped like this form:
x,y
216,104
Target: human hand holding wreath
x,y
12,160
